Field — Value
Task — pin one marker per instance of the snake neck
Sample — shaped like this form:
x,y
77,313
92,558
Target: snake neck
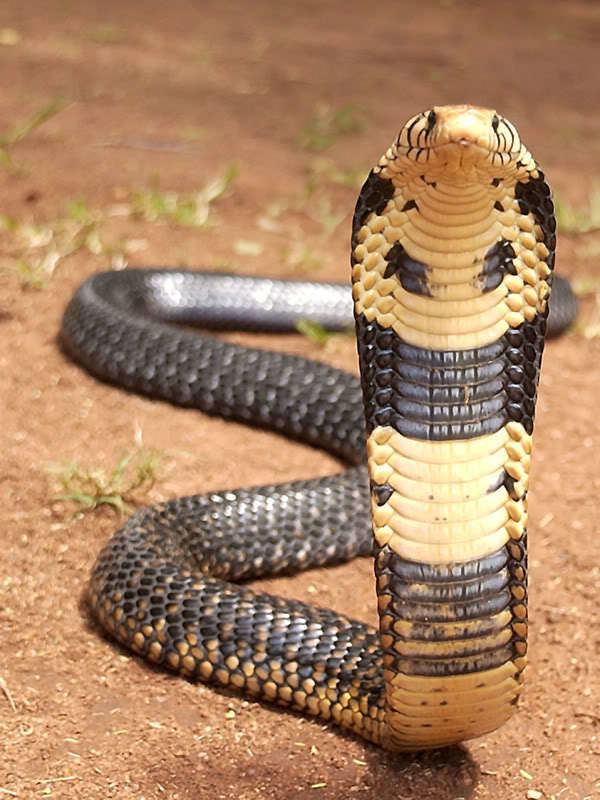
x,y
451,279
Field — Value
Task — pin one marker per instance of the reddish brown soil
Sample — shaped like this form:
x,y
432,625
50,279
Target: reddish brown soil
x,y
79,717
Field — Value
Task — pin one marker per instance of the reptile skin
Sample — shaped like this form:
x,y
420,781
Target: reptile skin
x,y
449,411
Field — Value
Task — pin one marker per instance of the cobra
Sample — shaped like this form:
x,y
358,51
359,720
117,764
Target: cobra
x,y
452,255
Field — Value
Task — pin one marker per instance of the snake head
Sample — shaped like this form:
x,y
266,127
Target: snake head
x,y
461,140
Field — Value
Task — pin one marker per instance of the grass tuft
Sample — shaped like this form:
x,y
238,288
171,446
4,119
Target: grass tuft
x,y
590,328
300,255
183,208
22,130
588,287
108,34
319,335
34,251
321,169
326,126
121,488
313,331
571,219
302,251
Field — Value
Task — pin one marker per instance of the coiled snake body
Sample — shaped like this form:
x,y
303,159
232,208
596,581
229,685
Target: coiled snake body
x,y
452,251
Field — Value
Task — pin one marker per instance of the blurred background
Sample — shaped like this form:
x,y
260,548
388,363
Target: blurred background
x,y
235,136
275,110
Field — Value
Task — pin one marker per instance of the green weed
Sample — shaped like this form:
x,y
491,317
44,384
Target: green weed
x,y
302,256
303,252
590,328
202,53
22,130
317,334
247,247
326,216
588,249
193,133
107,34
313,331
585,287
32,275
34,251
120,488
189,209
435,74
326,169
571,219
326,125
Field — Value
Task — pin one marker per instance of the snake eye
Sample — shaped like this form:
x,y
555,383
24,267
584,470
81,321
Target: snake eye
x,y
431,118
495,123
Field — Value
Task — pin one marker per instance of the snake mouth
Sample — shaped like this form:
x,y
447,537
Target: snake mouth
x,y
458,153
461,144
455,155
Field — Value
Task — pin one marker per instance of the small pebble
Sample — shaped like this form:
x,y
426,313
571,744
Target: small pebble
x,y
533,794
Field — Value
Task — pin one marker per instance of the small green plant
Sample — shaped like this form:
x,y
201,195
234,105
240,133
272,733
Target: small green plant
x,y
190,208
34,251
91,487
108,34
321,169
301,256
435,74
589,248
32,275
193,133
202,53
326,125
590,328
317,334
313,331
22,130
571,219
280,218
328,218
247,247
588,287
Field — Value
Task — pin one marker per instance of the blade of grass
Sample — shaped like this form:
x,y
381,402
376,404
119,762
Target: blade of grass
x,y
28,126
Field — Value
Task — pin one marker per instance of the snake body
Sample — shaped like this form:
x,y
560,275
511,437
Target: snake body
x,y
452,251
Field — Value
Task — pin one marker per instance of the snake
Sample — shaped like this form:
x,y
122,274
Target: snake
x,y
452,252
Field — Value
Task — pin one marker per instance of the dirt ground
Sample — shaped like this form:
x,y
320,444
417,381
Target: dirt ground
x,y
172,93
